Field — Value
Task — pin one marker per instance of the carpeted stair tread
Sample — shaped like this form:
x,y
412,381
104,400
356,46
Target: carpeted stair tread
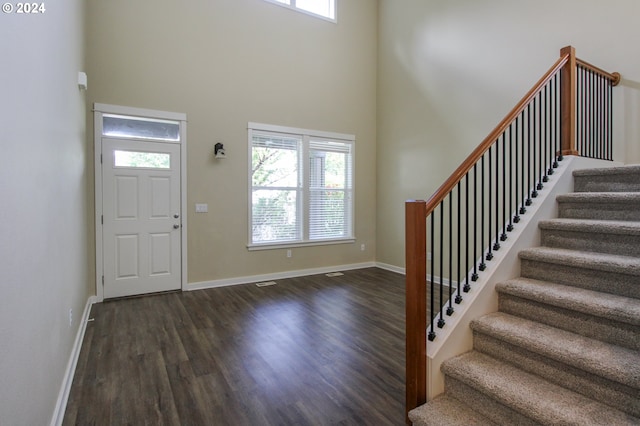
x,y
611,362
599,197
623,178
596,261
600,205
593,226
608,171
599,236
530,395
447,411
604,305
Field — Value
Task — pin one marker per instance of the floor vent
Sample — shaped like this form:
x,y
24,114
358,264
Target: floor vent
x,y
266,284
334,274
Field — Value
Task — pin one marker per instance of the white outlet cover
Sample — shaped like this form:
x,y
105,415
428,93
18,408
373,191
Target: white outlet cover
x,y
202,208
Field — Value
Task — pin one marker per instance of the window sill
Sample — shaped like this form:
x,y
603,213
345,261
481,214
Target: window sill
x,y
285,245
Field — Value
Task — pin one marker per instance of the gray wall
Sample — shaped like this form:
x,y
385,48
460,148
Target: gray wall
x,y
43,227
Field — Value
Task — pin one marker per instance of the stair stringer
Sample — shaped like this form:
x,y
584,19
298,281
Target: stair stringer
x,y
456,337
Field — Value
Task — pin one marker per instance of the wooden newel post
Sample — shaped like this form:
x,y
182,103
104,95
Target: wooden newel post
x,y
416,304
568,93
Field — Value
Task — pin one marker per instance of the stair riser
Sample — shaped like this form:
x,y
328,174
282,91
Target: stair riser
x,y
605,330
599,211
577,276
485,405
586,383
621,244
624,182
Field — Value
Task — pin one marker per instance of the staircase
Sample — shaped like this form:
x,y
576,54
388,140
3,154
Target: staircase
x,y
564,347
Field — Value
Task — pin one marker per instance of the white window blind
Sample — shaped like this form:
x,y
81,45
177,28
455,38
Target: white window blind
x,y
322,8
301,187
330,181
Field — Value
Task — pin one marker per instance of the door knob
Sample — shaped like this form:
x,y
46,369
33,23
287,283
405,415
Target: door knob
x,y
176,226
175,216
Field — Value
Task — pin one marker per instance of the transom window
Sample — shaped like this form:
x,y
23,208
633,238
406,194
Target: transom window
x,y
322,8
124,126
301,187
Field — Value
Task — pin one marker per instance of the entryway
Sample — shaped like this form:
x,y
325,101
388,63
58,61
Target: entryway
x,y
140,197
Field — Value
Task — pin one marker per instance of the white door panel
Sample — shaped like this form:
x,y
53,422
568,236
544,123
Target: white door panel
x,y
141,208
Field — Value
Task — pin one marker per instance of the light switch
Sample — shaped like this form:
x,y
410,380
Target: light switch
x,y
202,208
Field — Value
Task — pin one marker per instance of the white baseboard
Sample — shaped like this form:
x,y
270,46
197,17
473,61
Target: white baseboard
x,y
392,268
65,389
275,276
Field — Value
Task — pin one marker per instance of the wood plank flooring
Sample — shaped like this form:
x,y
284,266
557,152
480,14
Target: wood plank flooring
x,y
308,351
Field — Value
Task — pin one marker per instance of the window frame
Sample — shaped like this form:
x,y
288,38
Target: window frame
x,y
294,7
307,137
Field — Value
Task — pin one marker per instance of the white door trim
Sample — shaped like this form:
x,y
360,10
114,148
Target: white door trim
x,y
99,110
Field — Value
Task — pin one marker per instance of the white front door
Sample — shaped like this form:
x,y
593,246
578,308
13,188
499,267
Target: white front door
x,y
141,217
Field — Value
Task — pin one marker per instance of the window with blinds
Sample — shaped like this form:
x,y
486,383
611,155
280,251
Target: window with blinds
x,y
301,187
321,8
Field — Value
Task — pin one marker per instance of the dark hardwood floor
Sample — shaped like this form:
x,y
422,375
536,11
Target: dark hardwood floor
x,y
308,351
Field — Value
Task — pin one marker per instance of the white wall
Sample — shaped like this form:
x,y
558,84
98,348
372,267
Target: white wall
x,y
43,260
229,62
449,71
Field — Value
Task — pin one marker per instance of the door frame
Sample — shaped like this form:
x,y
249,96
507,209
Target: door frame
x,y
98,111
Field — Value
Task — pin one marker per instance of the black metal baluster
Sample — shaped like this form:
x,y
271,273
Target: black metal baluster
x,y
585,116
466,287
560,156
489,255
474,276
516,218
556,139
450,308
594,115
601,118
510,226
496,244
539,143
432,334
533,141
596,119
528,142
591,115
610,120
503,236
523,193
545,139
458,294
483,265
441,321
579,110
605,119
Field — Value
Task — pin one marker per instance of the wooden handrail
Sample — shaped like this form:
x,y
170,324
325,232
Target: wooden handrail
x,y
614,77
472,159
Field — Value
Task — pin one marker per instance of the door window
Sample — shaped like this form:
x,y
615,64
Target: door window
x,y
142,160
